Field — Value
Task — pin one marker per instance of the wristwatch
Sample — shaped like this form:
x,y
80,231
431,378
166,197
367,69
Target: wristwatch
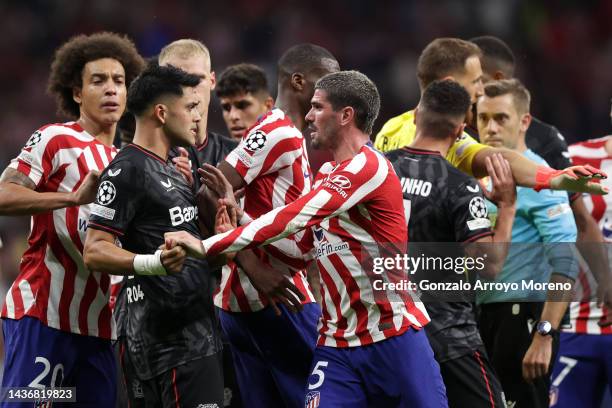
x,y
545,328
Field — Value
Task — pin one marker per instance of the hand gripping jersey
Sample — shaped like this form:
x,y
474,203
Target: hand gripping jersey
x,y
356,215
167,320
53,285
585,315
272,160
401,130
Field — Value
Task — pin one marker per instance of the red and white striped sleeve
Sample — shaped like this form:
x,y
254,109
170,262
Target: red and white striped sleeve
x,y
36,158
350,184
271,145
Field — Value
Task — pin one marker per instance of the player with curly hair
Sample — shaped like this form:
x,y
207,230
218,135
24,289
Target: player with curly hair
x,y
57,323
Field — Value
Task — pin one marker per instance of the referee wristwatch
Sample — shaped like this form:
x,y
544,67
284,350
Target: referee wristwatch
x,y
544,328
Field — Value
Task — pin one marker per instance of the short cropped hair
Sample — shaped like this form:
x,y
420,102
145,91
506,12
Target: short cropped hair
x,y
354,89
442,108
496,54
303,58
242,78
71,57
520,95
157,81
183,48
443,57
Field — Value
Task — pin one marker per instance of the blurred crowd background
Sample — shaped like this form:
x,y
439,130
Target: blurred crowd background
x,y
563,50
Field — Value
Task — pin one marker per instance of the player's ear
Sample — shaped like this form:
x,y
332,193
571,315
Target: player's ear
x,y
298,81
76,95
498,75
459,131
347,115
525,122
269,102
213,80
160,112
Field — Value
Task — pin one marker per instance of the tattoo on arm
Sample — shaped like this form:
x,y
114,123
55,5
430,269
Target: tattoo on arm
x,y
16,177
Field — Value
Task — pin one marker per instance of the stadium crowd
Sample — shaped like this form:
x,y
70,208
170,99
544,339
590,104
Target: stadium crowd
x,y
172,265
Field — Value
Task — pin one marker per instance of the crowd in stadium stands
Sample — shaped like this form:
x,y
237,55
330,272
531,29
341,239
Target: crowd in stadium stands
x,y
563,55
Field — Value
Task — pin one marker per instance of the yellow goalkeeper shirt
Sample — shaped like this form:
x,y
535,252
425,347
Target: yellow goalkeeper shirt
x,y
401,130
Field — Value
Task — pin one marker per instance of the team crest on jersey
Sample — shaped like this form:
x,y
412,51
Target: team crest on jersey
x,y
34,139
313,398
255,140
106,193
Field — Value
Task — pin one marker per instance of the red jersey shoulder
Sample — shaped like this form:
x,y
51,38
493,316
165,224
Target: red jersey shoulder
x,y
61,133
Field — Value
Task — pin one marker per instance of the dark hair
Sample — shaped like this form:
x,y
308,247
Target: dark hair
x,y
442,108
71,57
154,82
354,89
242,78
303,58
496,55
442,57
520,95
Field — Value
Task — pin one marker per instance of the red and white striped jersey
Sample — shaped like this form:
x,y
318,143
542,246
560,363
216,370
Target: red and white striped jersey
x,y
357,215
54,285
585,315
272,160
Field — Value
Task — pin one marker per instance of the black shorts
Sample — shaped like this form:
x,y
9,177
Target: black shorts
x,y
195,383
471,382
507,331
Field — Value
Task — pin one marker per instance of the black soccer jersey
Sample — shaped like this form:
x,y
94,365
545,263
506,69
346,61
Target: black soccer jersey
x,y
212,151
547,142
169,319
443,205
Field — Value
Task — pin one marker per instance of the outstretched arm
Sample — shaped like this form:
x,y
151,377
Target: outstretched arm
x,y
530,174
327,200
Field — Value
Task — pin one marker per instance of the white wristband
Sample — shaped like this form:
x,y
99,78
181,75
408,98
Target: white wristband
x,y
149,264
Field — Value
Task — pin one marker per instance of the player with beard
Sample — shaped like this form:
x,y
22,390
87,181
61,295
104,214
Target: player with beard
x,y
172,345
272,347
581,374
446,205
459,60
371,351
57,323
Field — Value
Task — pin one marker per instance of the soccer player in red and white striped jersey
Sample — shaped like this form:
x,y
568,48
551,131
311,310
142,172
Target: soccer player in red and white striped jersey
x,y
271,163
581,373
57,320
587,316
357,217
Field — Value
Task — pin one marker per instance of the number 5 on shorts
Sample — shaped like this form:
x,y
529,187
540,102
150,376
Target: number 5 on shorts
x,y
319,373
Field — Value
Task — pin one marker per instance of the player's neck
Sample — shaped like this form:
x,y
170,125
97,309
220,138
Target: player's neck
x,y
292,109
105,134
152,139
433,144
350,144
201,137
521,146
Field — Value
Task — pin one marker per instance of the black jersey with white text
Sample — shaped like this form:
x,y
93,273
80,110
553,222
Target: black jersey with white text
x,y
443,205
168,320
